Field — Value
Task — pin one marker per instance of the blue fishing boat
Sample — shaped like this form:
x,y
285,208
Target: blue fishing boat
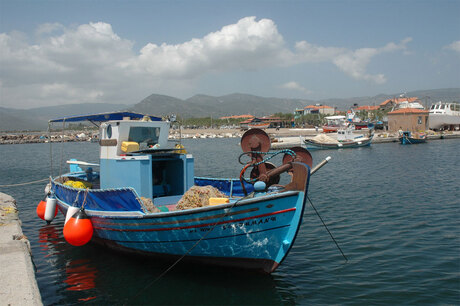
x,y
406,138
135,202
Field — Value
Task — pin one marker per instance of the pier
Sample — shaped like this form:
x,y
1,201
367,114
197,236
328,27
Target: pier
x,y
18,285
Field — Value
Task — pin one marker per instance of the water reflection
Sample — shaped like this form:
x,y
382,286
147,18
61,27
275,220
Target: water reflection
x,y
80,275
48,236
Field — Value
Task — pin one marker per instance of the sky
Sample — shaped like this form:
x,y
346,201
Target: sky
x,y
66,52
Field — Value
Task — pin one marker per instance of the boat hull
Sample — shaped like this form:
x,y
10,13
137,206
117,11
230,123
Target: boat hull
x,y
255,233
409,140
437,121
258,125
360,125
330,128
310,144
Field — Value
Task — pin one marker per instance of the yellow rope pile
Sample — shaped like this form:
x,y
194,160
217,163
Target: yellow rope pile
x,y
198,196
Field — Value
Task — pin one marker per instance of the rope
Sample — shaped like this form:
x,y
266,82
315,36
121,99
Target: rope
x,y
76,198
272,155
330,234
84,199
51,149
62,147
27,183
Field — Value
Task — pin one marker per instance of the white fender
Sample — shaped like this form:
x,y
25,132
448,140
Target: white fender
x,y
50,209
47,188
70,212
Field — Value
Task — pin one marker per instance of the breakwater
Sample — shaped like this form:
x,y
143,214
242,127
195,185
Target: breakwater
x,y
44,137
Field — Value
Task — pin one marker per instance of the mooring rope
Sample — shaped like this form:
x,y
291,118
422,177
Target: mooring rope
x,y
27,183
330,234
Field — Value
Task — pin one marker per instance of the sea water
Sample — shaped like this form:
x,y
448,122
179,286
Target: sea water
x,y
393,209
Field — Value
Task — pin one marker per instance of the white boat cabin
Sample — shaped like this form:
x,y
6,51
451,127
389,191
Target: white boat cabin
x,y
335,120
136,153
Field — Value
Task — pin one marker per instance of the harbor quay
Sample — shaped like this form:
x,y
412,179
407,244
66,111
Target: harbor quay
x,y
277,135
18,285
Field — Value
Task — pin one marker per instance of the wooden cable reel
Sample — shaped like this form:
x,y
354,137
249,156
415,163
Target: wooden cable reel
x,y
302,155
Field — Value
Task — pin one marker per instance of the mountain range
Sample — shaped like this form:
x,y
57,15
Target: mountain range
x,y
202,106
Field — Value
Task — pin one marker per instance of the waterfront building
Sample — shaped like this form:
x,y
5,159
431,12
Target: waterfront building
x,y
408,119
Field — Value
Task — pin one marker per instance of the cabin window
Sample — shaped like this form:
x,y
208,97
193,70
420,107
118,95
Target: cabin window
x,y
451,107
432,106
109,131
419,120
442,106
145,136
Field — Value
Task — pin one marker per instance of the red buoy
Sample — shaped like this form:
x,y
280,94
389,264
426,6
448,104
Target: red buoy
x,y
41,208
78,230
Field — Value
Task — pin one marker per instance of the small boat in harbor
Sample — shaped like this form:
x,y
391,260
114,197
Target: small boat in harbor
x,y
333,123
345,139
361,125
146,200
258,125
406,138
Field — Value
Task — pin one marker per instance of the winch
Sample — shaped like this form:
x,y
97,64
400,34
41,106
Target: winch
x,y
255,143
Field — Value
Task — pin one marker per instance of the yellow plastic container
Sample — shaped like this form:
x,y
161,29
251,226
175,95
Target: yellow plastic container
x,y
218,201
182,149
129,146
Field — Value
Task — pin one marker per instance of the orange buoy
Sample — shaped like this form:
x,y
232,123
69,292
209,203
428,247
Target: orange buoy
x,y
78,230
41,208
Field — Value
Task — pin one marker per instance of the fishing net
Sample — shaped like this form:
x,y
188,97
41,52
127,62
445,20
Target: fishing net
x,y
148,203
322,138
78,184
198,196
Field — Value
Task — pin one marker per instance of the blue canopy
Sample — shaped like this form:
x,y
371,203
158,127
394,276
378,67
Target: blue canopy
x,y
105,117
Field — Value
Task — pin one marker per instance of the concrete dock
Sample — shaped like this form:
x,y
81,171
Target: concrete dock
x,y
18,285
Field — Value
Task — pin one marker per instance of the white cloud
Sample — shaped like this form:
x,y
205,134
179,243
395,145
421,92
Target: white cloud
x,y
455,46
91,63
295,86
248,44
351,62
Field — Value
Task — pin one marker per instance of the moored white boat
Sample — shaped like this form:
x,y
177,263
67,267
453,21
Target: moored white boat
x,y
345,139
444,115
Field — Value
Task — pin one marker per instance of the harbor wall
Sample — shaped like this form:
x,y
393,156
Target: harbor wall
x,y
18,285
78,136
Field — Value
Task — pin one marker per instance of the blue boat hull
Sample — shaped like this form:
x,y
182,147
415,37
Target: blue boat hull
x,y
409,140
253,233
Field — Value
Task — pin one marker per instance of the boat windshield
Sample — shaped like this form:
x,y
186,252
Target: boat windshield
x,y
144,135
